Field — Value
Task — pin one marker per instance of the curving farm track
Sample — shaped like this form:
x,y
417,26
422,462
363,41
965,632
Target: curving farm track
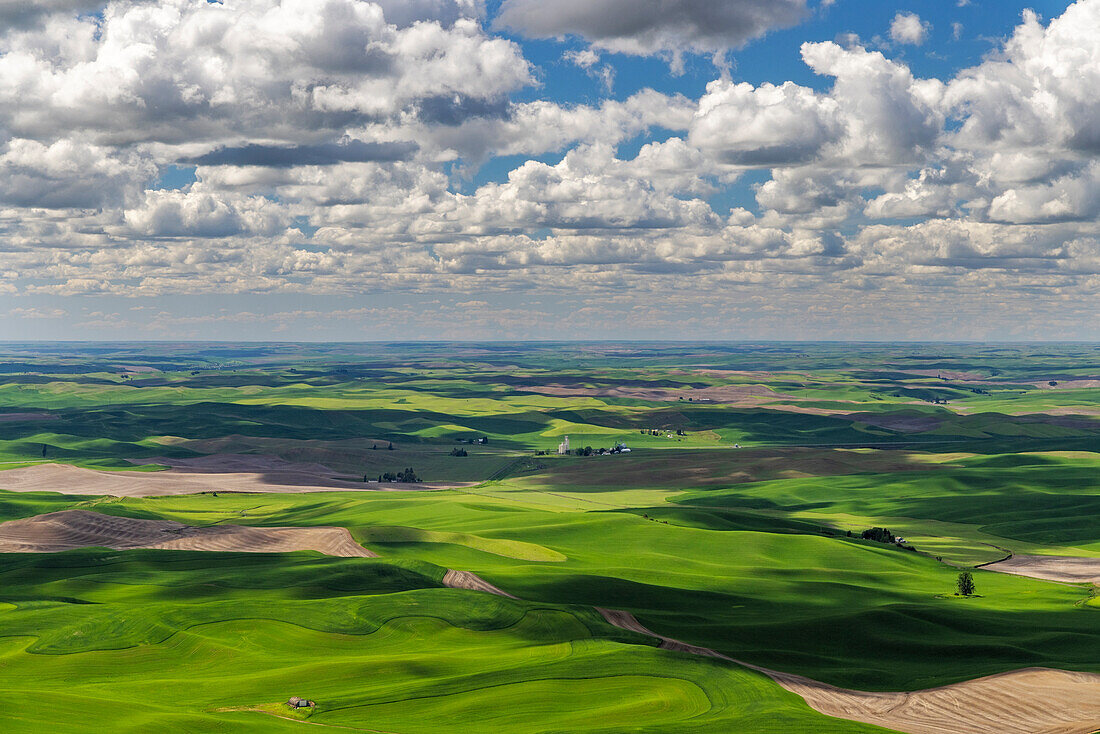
x,y
472,582
1027,701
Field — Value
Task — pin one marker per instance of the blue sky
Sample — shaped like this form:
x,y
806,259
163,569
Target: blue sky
x,y
345,169
985,25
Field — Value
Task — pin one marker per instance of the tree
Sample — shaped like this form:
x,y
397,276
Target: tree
x,y
406,475
965,583
390,447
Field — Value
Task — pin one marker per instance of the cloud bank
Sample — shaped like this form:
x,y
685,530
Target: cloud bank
x,y
332,142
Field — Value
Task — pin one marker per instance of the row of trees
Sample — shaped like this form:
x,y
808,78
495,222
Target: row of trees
x,y
589,451
407,475
879,535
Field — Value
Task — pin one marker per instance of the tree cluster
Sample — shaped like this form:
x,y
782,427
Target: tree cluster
x,y
459,452
407,475
879,535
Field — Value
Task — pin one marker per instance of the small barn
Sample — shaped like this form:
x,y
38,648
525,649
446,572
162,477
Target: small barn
x,y
299,703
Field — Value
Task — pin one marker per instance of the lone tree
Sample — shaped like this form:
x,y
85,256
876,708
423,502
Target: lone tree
x,y
965,583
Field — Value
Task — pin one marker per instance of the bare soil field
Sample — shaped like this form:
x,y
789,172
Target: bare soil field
x,y
1071,411
69,529
1043,414
1027,701
1071,420
343,453
13,417
73,480
1067,384
977,377
808,409
721,469
627,621
762,375
728,394
1067,569
948,374
230,463
466,580
736,395
903,423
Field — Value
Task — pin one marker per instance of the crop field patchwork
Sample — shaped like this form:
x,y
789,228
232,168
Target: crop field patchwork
x,y
186,547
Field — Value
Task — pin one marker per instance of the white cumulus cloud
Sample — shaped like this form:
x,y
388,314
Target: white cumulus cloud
x,y
909,28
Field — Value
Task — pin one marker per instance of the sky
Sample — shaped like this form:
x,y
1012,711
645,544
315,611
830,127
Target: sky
x,y
344,170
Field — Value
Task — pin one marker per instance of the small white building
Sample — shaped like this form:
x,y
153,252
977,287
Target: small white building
x,y
563,447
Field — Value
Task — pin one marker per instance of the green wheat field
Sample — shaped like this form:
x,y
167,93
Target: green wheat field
x,y
734,523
